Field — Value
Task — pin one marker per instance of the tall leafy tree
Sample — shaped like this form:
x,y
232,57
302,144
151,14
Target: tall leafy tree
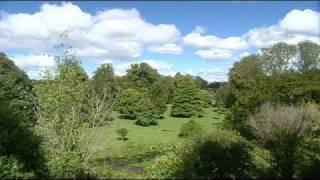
x,y
309,56
135,105
104,79
145,79
186,102
277,58
60,114
18,142
201,83
101,95
246,80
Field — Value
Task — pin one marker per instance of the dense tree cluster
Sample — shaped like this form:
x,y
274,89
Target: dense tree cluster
x,y
20,153
283,74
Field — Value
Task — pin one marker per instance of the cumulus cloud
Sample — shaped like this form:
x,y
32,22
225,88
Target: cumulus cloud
x,y
34,64
214,74
296,26
244,54
113,33
200,41
214,54
169,48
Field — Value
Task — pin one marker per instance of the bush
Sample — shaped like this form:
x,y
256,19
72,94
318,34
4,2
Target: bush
x,y
13,169
282,130
122,132
218,155
190,128
309,164
146,121
168,165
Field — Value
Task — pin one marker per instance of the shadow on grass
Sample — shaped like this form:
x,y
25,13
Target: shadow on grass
x,y
122,139
127,117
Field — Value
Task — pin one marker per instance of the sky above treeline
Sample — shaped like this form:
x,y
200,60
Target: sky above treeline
x,y
199,38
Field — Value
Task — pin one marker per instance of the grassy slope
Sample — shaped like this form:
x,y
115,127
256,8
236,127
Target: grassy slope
x,y
141,147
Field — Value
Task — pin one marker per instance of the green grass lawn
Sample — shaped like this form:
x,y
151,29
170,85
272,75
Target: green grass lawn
x,y
131,156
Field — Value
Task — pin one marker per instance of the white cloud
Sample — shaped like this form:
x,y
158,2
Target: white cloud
x,y
200,41
34,64
169,48
113,33
296,26
200,30
244,54
211,47
304,22
214,54
214,74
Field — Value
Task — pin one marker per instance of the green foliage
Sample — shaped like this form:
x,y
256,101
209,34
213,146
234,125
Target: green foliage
x,y
141,76
224,97
190,129
135,105
276,58
206,98
101,95
282,129
11,168
104,79
169,81
309,56
15,91
17,137
148,81
218,155
201,83
168,165
246,92
309,164
123,133
159,94
186,102
60,115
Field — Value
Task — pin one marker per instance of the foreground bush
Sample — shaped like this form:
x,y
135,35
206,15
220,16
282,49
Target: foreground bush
x,y
218,155
281,130
190,128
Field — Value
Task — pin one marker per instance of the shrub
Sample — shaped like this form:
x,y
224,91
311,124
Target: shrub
x,y
309,165
122,132
168,165
282,129
190,128
218,155
12,168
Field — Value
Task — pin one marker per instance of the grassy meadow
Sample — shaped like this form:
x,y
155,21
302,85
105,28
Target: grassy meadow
x,y
129,158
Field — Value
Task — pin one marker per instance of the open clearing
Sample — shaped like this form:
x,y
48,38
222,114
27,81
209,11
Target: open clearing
x,y
130,157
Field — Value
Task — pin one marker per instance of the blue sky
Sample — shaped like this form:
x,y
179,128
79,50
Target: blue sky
x,y
200,38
